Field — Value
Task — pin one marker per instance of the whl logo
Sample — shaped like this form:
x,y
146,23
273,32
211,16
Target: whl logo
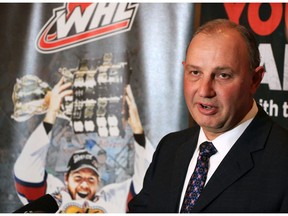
x,y
74,24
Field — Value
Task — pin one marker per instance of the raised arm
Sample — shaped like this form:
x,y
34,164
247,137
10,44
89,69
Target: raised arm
x,y
143,148
29,169
54,99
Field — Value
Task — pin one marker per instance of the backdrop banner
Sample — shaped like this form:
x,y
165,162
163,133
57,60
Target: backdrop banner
x,y
124,61
109,52
269,23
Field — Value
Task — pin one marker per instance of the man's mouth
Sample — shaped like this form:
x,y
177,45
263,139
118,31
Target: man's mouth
x,y
83,195
206,107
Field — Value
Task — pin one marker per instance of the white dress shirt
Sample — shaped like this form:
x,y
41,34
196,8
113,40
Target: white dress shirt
x,y
223,143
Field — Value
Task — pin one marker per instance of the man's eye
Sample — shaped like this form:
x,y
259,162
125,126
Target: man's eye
x,y
224,76
77,178
194,73
92,180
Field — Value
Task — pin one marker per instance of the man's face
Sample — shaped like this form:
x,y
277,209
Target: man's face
x,y
82,184
218,85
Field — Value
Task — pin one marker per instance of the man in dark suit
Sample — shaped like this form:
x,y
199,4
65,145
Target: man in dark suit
x,y
249,171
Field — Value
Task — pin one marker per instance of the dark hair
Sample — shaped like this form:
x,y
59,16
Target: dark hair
x,y
213,27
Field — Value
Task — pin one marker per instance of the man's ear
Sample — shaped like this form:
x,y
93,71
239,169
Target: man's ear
x,y
66,175
257,78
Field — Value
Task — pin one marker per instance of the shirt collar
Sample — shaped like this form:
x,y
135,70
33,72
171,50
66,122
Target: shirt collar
x,y
225,141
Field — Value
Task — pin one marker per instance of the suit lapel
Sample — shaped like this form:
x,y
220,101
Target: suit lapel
x,y
237,162
182,160
233,167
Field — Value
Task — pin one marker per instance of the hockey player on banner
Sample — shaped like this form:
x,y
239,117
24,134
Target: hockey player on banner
x,y
80,192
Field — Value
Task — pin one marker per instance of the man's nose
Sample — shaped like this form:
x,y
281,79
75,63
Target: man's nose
x,y
206,87
84,184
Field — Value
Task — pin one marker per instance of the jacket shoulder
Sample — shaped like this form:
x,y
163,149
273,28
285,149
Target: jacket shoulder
x,y
177,138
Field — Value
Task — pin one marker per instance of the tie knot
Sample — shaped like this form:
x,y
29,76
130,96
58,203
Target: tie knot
x,y
207,149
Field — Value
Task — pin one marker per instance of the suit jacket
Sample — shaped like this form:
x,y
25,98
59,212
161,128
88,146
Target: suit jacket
x,y
253,176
